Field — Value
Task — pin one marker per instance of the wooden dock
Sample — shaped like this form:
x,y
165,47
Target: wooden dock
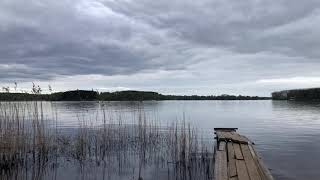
x,y
236,158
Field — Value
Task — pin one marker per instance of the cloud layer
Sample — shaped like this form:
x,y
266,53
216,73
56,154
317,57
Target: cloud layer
x,y
182,46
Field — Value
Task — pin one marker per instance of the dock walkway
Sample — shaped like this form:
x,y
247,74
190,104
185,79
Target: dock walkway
x,y
236,158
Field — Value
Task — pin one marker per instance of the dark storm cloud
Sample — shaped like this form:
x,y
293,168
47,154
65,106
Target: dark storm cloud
x,y
213,40
74,37
245,26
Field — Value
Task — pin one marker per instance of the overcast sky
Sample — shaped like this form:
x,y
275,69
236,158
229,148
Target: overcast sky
x,y
250,47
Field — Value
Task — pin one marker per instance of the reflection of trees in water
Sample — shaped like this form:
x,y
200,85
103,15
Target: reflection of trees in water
x,y
115,150
296,106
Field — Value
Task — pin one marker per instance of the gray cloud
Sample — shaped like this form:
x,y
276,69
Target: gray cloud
x,y
200,42
74,39
242,26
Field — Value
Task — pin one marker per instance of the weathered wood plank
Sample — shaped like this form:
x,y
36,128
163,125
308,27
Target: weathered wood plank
x,y
238,138
252,151
234,178
231,160
252,167
220,136
263,170
242,170
231,136
227,135
237,151
222,145
225,129
255,158
220,168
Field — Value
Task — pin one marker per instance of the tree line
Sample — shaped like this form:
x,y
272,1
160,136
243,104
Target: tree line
x,y
84,95
297,94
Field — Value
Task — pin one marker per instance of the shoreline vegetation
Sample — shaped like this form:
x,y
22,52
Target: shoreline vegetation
x,y
33,146
85,95
312,94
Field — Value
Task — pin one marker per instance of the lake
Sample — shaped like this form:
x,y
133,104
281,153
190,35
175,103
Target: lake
x,y
286,133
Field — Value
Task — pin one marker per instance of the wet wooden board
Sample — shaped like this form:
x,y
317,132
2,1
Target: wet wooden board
x,y
236,158
231,136
225,129
221,166
237,151
220,136
255,157
242,170
231,161
222,146
251,165
265,173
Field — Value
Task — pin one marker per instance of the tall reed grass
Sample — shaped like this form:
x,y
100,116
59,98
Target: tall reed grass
x,y
33,147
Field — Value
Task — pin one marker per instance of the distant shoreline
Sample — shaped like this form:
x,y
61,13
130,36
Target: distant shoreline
x,y
84,95
311,94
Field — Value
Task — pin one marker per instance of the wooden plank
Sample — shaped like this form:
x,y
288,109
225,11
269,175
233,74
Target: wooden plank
x,y
252,151
244,139
264,171
231,161
234,178
255,158
222,146
237,151
242,170
235,136
220,136
238,138
252,167
231,136
220,168
225,129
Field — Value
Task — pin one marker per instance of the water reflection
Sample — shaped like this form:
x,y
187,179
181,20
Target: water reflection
x,y
285,132
111,147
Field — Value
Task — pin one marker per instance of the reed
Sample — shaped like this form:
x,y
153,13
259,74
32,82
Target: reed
x,y
32,143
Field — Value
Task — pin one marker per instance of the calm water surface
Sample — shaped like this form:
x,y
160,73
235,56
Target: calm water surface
x,y
285,133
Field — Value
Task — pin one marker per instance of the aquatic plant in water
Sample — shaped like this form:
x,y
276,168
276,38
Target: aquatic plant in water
x,y
34,147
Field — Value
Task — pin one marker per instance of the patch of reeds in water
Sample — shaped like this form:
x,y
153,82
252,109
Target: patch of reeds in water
x,y
33,147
